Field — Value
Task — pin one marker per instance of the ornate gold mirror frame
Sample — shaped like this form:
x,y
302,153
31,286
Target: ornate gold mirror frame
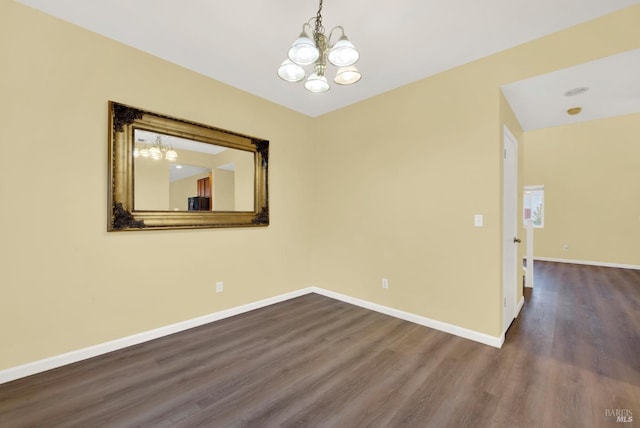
x,y
125,122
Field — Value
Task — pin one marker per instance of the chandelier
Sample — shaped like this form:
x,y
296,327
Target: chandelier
x,y
318,50
156,151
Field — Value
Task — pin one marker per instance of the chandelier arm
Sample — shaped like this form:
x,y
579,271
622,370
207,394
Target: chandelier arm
x,y
307,25
331,33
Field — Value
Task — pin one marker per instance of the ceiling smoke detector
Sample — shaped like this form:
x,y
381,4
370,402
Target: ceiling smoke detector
x,y
576,91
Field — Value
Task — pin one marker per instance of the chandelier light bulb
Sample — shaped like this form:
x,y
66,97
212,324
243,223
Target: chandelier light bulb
x,y
171,155
290,71
343,53
347,75
155,153
303,51
317,83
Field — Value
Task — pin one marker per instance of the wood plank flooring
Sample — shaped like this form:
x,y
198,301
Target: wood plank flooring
x,y
571,358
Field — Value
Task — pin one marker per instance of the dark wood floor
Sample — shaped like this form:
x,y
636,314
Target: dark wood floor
x,y
571,357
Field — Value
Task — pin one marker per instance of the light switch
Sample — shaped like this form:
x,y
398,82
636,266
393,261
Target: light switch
x,y
478,220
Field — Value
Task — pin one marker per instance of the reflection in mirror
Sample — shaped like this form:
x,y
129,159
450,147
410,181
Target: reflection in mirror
x,y
178,174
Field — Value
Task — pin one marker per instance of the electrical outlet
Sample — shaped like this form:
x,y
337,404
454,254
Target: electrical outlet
x,y
219,286
385,283
566,247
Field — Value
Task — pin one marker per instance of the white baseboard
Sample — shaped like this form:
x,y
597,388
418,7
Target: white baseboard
x,y
417,319
39,366
583,262
519,307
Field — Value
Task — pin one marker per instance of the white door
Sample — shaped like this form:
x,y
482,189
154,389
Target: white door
x,y
509,228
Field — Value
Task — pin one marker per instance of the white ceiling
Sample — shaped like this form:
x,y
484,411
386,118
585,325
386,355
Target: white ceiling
x,y
180,171
242,43
178,143
612,89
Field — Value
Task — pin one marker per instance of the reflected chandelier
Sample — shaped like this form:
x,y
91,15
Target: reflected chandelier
x,y
156,151
317,51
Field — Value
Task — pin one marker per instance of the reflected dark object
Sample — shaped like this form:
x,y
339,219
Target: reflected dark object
x,y
199,203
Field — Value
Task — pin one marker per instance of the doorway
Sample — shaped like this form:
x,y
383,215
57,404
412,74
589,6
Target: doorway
x,y
509,228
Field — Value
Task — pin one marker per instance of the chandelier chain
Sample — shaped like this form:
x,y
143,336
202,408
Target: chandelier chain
x,y
319,28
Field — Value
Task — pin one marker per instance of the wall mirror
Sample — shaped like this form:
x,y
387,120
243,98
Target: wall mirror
x,y
168,173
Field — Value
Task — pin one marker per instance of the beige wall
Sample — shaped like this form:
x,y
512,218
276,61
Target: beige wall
x,y
223,190
591,174
150,181
65,282
243,181
415,165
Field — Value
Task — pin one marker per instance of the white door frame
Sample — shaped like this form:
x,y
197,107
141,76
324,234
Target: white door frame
x,y
509,227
